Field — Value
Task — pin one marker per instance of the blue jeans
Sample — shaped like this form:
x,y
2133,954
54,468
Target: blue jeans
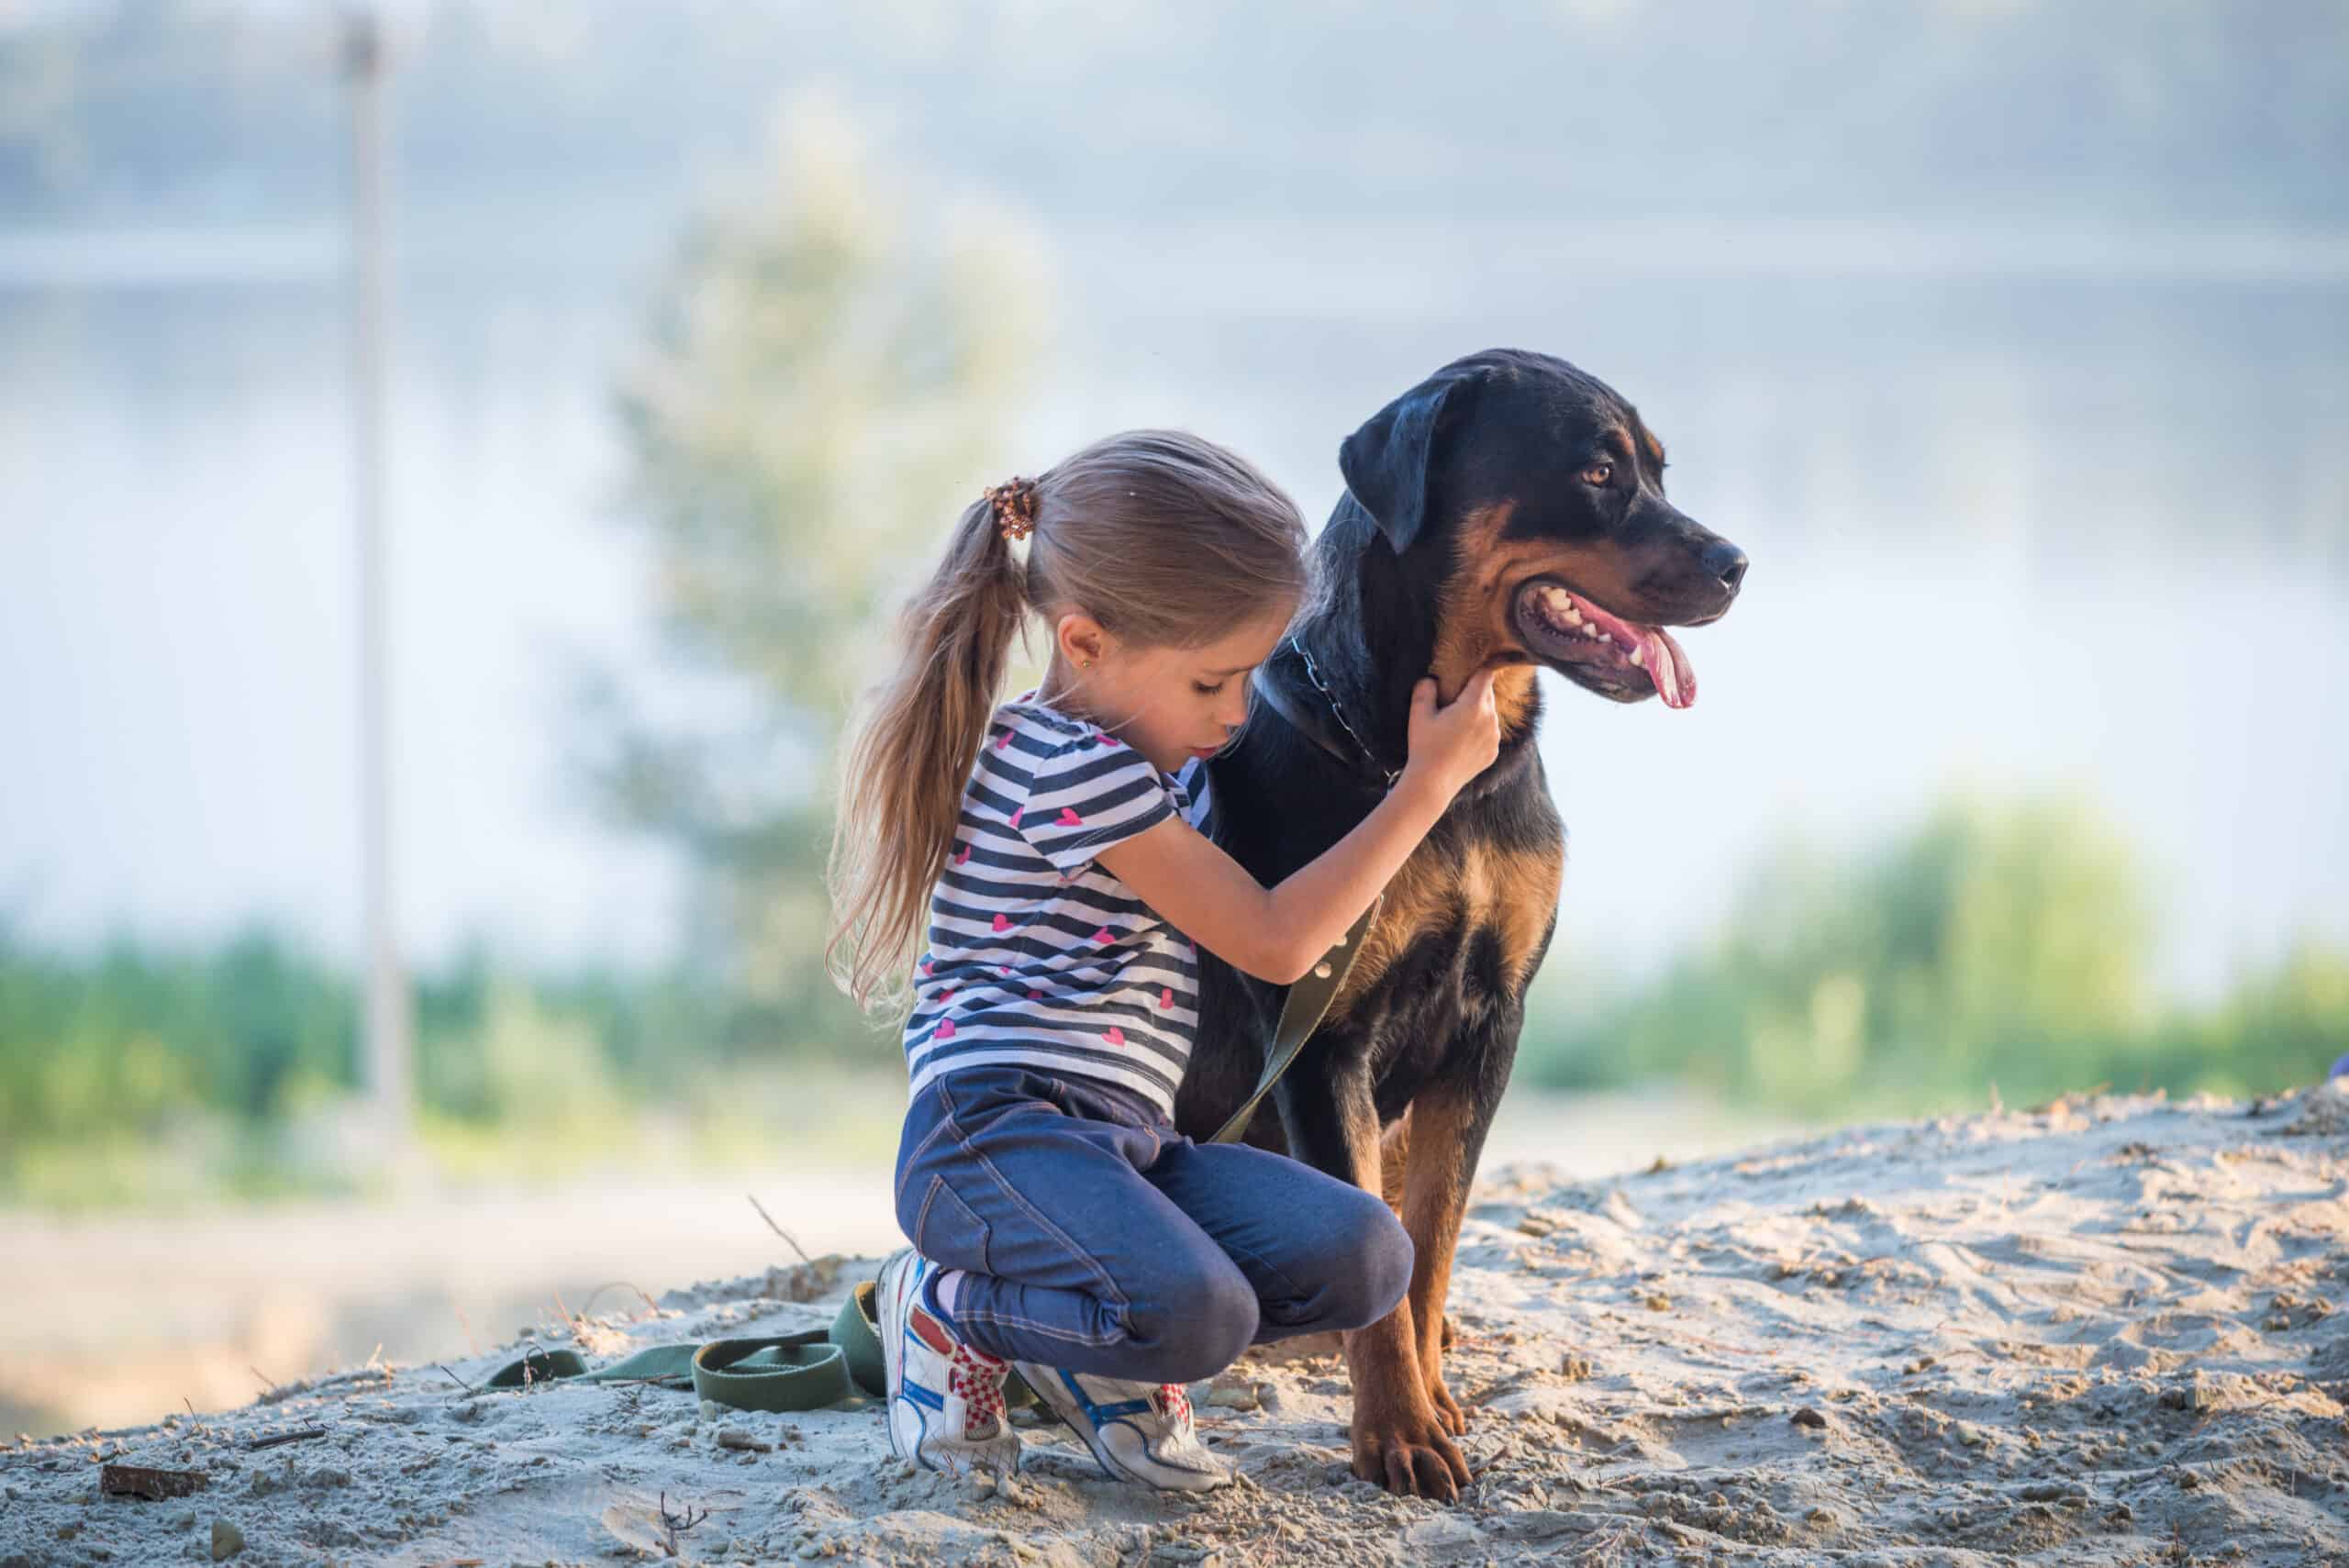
x,y
1100,1240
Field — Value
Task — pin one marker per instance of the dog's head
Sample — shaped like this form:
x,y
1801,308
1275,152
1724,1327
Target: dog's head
x,y
1535,495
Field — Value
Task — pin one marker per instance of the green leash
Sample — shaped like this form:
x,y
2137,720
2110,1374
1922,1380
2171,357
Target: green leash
x,y
819,1368
813,1370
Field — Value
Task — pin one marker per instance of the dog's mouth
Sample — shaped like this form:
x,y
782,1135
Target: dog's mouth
x,y
1612,656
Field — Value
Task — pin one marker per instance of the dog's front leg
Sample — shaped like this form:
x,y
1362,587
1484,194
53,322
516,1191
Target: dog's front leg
x,y
1400,1439
1448,1122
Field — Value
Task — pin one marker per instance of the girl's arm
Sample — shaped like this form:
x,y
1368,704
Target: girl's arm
x,y
1278,933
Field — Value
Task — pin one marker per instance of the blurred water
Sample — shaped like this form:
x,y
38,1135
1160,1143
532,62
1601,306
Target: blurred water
x,y
2022,510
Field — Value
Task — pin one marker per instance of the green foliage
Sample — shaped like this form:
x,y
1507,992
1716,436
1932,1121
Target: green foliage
x,y
118,1041
139,1071
1992,943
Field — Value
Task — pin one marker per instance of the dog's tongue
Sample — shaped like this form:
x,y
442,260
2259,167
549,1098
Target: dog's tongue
x,y
1668,667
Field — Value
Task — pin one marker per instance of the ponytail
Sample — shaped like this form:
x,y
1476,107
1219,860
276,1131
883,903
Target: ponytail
x,y
902,780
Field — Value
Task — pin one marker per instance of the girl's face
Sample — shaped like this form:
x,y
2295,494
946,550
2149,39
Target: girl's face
x,y
1169,704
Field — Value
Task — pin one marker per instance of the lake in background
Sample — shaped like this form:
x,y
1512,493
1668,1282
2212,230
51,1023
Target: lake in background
x,y
2025,509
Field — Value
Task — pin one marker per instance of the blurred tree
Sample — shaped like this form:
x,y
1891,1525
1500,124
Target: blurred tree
x,y
827,383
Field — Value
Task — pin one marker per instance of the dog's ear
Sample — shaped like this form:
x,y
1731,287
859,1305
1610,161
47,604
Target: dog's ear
x,y
1385,463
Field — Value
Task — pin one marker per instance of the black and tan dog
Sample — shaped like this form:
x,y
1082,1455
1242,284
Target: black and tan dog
x,y
1507,512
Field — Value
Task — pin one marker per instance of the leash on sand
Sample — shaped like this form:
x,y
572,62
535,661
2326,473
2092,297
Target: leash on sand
x,y
819,1368
812,1370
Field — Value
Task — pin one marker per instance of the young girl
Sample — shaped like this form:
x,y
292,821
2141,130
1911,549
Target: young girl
x,y
1043,859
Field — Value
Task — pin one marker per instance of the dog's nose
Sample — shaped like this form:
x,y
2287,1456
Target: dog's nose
x,y
1727,562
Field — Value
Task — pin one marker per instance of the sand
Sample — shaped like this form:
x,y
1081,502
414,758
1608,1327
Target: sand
x,y
2100,1333
272,1292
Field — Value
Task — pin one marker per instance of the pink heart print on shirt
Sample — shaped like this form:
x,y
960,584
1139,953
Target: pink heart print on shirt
x,y
1017,813
1035,996
927,966
1165,997
1103,935
1003,740
1002,922
945,1030
1069,818
1114,1035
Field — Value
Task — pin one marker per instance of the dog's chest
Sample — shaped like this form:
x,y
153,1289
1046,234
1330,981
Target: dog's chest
x,y
1462,927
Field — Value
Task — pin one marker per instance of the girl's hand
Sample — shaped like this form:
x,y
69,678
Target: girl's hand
x,y
1452,744
1277,934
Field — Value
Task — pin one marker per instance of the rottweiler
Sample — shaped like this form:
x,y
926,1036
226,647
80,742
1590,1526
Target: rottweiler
x,y
1507,512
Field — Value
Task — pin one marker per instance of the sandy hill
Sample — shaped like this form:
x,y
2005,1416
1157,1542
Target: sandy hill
x,y
2099,1333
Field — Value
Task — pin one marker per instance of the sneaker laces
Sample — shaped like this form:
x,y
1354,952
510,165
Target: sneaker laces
x,y
977,1378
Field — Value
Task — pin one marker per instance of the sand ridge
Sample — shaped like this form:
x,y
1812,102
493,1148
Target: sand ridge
x,y
2100,1333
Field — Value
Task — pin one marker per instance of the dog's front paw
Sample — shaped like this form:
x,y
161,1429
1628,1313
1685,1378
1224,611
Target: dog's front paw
x,y
1406,1449
1448,1413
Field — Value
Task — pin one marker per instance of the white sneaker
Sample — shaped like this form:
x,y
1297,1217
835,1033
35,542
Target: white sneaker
x,y
945,1395
1139,1432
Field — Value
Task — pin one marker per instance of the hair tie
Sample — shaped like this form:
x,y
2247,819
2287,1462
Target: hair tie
x,y
1014,508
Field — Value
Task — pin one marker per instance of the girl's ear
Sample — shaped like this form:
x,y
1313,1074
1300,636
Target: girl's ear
x,y
1080,639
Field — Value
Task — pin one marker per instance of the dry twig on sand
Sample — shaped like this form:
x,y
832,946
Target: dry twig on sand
x,y
650,1304
276,1437
779,1229
678,1524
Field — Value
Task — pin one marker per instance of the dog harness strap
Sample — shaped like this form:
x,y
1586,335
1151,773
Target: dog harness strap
x,y
1301,1013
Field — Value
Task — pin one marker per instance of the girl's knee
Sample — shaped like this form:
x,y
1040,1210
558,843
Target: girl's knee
x,y
1201,1327
1377,1269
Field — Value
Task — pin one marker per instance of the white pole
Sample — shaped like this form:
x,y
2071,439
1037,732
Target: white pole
x,y
386,1028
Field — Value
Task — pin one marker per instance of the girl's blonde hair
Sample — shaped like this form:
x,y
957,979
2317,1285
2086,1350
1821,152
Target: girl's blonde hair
x,y
1165,539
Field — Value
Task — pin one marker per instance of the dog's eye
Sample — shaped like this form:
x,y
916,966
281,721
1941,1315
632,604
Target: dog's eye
x,y
1598,474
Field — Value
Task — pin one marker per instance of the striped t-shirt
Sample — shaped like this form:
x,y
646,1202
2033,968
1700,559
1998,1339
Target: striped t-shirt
x,y
1036,955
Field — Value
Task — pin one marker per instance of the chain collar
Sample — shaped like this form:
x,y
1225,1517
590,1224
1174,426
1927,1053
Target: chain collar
x,y
1337,711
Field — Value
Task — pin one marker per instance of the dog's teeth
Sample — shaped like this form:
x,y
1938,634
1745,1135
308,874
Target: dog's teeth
x,y
1574,616
1639,656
